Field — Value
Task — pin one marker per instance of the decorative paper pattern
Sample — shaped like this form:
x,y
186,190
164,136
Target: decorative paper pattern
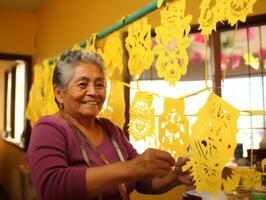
x,y
142,116
251,61
232,180
35,104
138,44
173,128
250,178
209,16
213,142
237,10
113,54
115,108
172,41
231,10
90,45
48,90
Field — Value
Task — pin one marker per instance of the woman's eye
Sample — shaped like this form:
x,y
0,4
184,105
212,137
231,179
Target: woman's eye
x,y
82,84
100,85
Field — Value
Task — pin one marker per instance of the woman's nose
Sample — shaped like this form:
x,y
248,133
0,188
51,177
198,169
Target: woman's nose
x,y
91,90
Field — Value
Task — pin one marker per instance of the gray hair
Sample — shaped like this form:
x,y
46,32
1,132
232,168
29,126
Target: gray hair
x,y
64,68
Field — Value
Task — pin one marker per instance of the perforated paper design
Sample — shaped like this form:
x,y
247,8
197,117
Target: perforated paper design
x,y
213,142
173,128
115,108
172,41
138,44
90,46
142,116
251,60
113,54
237,10
50,106
250,178
34,107
210,15
231,181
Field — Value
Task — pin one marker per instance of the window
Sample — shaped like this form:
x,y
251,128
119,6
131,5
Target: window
x,y
16,94
244,85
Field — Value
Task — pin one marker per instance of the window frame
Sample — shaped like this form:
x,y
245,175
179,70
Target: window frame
x,y
28,77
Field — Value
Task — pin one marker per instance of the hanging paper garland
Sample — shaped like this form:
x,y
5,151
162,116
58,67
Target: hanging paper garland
x,y
172,41
209,16
237,10
48,90
35,104
138,44
173,128
251,61
213,142
115,108
142,116
113,54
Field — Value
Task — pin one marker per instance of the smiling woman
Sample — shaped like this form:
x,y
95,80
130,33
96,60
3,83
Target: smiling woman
x,y
75,155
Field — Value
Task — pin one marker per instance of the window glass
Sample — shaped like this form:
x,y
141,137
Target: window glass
x,y
244,85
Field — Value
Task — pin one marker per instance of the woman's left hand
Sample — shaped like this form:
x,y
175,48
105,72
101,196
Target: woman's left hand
x,y
183,177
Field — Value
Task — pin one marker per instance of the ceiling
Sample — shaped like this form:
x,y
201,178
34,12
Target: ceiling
x,y
20,5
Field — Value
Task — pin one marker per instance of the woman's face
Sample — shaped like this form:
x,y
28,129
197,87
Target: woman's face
x,y
85,93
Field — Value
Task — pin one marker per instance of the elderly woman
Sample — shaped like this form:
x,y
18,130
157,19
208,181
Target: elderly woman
x,y
74,155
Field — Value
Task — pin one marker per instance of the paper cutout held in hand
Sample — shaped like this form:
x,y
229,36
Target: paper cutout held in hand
x,y
212,143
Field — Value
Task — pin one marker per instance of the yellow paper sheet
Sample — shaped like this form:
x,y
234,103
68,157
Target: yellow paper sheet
x,y
142,116
173,128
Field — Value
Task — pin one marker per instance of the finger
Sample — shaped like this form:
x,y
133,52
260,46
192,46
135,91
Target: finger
x,y
159,164
182,161
164,155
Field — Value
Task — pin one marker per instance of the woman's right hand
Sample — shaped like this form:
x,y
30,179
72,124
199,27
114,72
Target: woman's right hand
x,y
151,164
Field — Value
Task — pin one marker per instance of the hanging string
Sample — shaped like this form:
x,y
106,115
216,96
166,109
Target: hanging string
x,y
206,74
250,103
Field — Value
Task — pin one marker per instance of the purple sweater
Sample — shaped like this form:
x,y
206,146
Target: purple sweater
x,y
56,164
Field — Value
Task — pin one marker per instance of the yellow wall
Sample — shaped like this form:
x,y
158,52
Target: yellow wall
x,y
61,24
17,33
54,28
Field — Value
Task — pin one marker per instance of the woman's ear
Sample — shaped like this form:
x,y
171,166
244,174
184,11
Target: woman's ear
x,y
58,94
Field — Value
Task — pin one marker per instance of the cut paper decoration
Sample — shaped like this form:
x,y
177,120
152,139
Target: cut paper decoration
x,y
231,179
262,54
196,57
138,44
90,45
209,16
50,106
113,54
35,104
212,142
115,105
251,61
237,10
142,116
172,41
263,165
235,59
173,128
250,178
